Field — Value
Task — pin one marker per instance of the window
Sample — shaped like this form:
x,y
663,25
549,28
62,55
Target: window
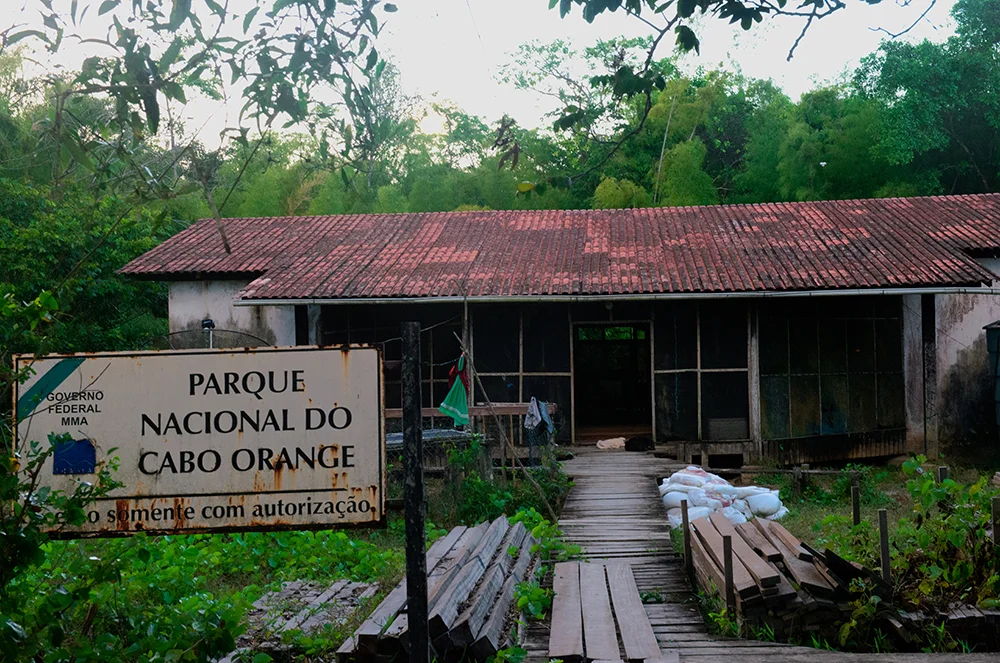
x,y
522,352
831,366
700,365
381,324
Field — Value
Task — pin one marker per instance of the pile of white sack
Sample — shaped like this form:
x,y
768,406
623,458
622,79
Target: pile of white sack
x,y
707,493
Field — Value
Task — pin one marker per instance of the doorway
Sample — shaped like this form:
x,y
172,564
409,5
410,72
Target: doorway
x,y
611,379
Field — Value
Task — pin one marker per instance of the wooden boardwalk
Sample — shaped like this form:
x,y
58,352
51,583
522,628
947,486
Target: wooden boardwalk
x,y
614,514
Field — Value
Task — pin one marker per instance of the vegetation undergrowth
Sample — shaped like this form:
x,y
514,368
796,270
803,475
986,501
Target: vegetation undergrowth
x,y
940,552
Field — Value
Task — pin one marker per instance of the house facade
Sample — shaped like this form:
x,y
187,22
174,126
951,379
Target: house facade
x,y
802,332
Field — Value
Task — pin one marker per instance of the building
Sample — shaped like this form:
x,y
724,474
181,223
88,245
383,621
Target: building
x,y
800,331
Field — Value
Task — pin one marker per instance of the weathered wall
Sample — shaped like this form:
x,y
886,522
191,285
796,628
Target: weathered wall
x,y
913,373
193,301
965,412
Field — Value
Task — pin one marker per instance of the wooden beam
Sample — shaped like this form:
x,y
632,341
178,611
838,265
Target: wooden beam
x,y
599,637
471,620
758,542
633,624
367,635
566,634
710,537
764,575
489,640
444,611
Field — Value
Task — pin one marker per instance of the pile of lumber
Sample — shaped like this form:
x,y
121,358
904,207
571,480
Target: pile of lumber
x,y
472,575
777,581
979,628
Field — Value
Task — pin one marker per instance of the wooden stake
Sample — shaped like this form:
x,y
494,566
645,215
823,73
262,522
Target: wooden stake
x,y
414,507
686,524
796,481
805,476
883,532
856,504
995,504
727,558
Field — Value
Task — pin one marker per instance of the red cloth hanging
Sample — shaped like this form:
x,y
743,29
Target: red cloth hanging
x,y
459,370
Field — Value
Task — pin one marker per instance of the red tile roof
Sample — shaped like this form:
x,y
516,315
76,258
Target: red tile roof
x,y
907,242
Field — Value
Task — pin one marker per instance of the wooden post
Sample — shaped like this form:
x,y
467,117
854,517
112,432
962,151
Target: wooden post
x,y
805,476
942,473
856,503
414,506
796,481
883,533
995,504
727,558
686,524
856,496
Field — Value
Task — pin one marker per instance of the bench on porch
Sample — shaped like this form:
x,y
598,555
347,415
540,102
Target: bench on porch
x,y
501,423
590,600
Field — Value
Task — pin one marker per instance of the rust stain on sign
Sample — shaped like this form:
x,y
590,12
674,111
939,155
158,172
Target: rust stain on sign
x,y
210,440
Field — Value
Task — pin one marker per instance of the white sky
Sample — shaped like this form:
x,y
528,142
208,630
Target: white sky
x,y
451,50
442,55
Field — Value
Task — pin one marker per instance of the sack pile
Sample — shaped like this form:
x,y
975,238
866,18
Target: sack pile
x,y
707,493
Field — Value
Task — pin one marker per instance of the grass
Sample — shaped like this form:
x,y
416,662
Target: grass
x,y
882,487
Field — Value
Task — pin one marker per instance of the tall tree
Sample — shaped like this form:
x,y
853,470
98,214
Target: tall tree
x,y
939,104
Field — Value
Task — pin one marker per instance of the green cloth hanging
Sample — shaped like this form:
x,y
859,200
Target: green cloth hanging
x,y
456,404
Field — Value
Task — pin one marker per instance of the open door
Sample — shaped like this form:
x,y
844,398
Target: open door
x,y
611,373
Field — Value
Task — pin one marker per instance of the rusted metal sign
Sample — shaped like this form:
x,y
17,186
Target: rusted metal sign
x,y
214,440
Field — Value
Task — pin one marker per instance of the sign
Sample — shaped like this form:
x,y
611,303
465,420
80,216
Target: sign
x,y
212,440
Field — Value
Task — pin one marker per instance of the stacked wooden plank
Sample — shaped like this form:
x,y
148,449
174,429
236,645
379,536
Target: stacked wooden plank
x,y
472,575
778,582
590,600
297,606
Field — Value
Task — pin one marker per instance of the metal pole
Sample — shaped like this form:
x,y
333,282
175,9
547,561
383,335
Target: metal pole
x,y
942,473
414,506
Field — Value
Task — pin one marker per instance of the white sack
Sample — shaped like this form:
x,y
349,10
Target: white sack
x,y
743,507
746,491
667,487
721,489
672,500
687,479
697,497
733,516
781,513
765,504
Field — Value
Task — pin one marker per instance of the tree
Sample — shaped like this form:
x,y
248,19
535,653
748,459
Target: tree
x,y
684,180
939,103
619,194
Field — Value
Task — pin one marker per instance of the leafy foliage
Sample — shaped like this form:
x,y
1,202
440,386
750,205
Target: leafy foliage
x,y
533,600
940,556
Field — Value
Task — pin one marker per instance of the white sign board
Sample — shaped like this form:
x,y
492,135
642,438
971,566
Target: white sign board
x,y
214,439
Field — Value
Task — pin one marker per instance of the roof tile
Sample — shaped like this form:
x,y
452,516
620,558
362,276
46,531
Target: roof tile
x,y
725,248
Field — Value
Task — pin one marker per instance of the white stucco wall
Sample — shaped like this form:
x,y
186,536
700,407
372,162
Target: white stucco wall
x,y
192,301
965,409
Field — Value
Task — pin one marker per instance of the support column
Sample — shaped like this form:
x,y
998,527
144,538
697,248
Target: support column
x,y
313,317
753,374
928,317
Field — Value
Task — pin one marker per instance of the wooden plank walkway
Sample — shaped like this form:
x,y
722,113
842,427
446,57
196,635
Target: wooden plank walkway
x,y
615,515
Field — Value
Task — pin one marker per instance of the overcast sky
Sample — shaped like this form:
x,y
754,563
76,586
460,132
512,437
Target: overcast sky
x,y
451,50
